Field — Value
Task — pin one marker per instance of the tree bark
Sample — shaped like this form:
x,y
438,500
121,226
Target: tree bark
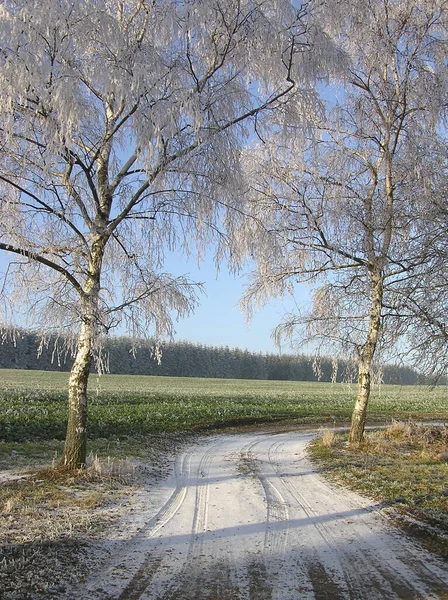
x,y
360,411
75,449
366,357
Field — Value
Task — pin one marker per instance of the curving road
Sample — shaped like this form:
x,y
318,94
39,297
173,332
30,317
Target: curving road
x,y
246,517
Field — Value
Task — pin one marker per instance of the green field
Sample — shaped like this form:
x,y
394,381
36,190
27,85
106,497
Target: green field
x,y
33,404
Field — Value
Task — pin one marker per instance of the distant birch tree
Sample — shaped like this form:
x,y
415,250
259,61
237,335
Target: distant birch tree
x,y
120,121
340,210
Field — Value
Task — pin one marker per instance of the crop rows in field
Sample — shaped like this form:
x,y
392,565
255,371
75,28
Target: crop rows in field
x,y
33,404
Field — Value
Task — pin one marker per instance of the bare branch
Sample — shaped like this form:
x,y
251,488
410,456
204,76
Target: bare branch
x,y
44,261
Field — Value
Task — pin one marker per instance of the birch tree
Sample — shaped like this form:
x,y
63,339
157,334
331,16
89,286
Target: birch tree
x,y
424,298
120,121
339,211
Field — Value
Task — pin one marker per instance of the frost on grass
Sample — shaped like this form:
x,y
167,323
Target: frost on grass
x,y
56,527
50,521
328,437
403,467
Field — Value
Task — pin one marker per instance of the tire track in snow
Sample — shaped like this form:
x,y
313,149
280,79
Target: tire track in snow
x,y
276,537
387,578
278,556
248,518
196,560
321,571
142,555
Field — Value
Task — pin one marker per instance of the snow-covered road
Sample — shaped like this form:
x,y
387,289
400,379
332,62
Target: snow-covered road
x,y
247,517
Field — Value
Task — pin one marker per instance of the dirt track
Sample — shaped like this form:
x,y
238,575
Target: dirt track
x,y
246,517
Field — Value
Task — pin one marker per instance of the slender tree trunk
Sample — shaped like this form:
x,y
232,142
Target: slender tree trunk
x,y
365,362
75,449
360,411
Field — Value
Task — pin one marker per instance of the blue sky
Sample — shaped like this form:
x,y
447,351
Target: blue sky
x,y
219,321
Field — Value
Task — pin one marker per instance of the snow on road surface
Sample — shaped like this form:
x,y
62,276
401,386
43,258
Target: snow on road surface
x,y
247,517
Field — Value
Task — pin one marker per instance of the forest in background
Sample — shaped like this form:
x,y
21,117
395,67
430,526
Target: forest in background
x,y
25,350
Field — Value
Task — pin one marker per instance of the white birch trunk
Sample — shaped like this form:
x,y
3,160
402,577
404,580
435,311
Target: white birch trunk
x,y
365,362
75,449
76,438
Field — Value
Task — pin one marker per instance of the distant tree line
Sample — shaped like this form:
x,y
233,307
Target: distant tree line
x,y
26,350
